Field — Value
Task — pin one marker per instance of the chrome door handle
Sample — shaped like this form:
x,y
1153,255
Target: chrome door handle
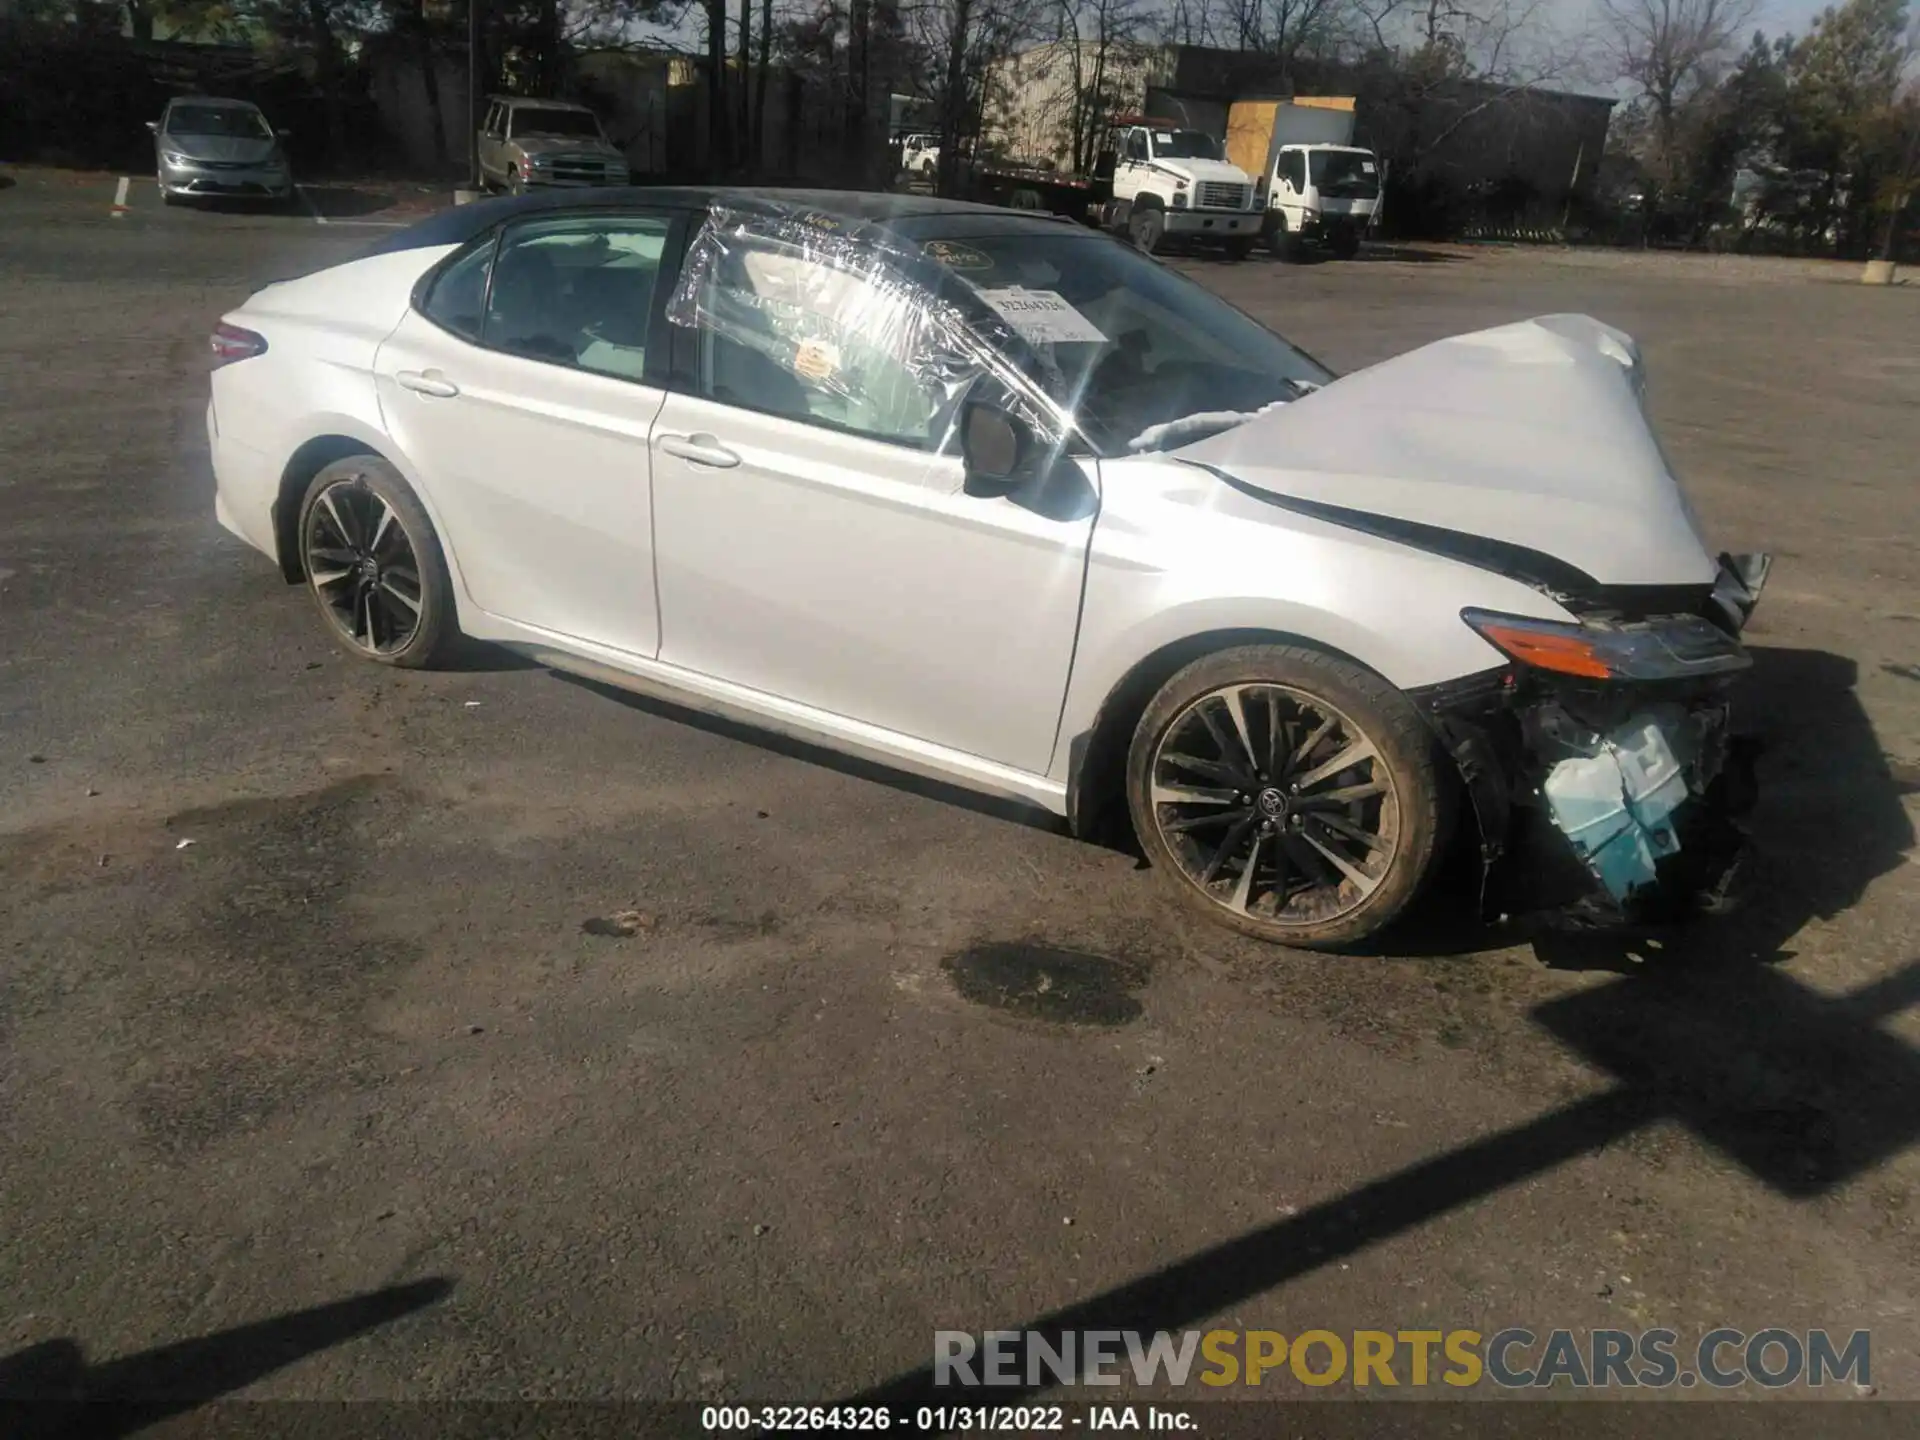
x,y
700,450
427,382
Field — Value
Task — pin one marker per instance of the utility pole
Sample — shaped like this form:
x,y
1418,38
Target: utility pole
x,y
473,93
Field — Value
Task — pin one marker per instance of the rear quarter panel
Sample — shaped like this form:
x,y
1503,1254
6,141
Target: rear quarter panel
x,y
322,334
314,380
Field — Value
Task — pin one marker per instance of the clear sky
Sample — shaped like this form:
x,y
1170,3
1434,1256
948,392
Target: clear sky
x,y
1794,15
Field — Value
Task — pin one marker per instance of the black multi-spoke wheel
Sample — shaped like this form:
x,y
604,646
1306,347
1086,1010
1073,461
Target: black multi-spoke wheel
x,y
373,564
1292,794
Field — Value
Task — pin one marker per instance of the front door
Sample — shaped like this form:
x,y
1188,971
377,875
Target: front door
x,y
527,404
816,544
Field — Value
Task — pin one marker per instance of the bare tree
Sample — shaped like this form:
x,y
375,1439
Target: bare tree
x,y
1188,22
1672,52
964,40
1285,28
719,142
1093,40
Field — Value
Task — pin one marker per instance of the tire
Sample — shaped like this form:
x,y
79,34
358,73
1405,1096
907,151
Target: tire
x,y
1284,244
1189,743
515,184
1239,249
1146,227
1345,243
359,510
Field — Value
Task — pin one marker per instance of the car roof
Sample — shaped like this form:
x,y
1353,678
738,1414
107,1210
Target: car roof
x,y
218,102
911,216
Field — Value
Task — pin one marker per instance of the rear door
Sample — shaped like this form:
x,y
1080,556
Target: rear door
x,y
525,389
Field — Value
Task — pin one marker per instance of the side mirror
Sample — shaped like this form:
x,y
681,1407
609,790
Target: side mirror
x,y
154,126
995,447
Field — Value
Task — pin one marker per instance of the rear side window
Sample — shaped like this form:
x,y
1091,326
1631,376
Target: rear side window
x,y
578,291
458,299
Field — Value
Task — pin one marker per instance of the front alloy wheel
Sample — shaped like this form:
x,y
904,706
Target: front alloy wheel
x,y
1291,794
373,565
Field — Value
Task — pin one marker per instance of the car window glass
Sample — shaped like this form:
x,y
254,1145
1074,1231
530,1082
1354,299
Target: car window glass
x,y
226,121
1136,146
1145,348
792,335
578,292
565,124
459,295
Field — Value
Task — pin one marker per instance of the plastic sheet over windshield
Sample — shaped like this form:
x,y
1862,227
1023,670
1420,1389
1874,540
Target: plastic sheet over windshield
x,y
1143,358
824,310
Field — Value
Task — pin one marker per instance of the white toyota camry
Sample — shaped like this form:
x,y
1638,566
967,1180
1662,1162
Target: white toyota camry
x,y
994,498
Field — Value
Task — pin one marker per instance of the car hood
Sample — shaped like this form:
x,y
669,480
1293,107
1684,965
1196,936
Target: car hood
x,y
237,149
564,145
1531,435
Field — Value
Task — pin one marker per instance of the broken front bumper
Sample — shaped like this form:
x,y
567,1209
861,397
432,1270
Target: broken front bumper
x,y
1615,800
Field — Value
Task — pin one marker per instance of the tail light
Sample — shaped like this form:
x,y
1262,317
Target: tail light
x,y
231,343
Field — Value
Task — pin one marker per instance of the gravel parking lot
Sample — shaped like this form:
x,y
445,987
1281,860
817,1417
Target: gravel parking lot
x,y
590,1049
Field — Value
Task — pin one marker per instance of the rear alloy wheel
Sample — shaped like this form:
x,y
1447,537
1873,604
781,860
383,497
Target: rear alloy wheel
x,y
1145,228
373,564
1287,793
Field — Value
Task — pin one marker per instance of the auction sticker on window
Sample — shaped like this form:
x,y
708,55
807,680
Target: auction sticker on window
x,y
1042,316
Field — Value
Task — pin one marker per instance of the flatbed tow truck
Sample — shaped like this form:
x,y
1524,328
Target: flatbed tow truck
x,y
1152,182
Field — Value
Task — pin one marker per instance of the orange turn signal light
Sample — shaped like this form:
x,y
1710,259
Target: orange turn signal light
x,y
1545,650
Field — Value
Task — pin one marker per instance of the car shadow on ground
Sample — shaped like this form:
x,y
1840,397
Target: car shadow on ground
x,y
51,1389
1803,1092
1014,811
1829,822
468,656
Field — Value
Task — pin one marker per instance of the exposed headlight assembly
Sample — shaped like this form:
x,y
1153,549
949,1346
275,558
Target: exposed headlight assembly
x,y
1682,647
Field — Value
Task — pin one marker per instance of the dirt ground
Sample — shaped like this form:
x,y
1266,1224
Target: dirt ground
x,y
312,992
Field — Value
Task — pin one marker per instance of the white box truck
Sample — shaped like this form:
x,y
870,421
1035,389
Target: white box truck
x,y
1316,186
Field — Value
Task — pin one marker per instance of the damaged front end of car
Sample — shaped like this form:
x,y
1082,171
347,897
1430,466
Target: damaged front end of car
x,y
1606,780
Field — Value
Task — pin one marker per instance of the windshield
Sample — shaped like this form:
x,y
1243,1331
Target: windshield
x,y
1351,173
1144,358
565,123
1184,145
233,121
